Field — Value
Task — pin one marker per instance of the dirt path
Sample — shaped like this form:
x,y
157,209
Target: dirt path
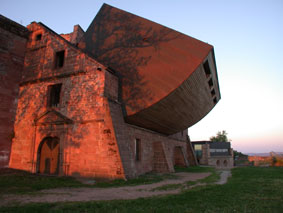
x,y
224,175
115,193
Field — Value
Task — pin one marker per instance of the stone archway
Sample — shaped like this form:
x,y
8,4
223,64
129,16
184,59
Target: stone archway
x,y
218,163
48,156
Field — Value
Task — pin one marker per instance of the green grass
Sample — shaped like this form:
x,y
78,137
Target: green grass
x,y
250,189
195,169
214,177
191,183
141,180
199,169
168,187
21,182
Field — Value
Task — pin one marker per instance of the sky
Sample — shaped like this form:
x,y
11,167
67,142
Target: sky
x,y
247,36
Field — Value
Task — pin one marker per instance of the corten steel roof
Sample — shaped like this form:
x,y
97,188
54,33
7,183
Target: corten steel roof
x,y
156,66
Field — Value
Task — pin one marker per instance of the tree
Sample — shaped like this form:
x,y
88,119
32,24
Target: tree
x,y
220,137
273,161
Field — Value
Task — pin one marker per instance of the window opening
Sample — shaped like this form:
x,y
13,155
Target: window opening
x,y
215,100
206,68
212,92
59,59
38,37
138,149
210,83
54,95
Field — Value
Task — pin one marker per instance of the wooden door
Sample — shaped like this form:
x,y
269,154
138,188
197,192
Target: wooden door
x,y
49,156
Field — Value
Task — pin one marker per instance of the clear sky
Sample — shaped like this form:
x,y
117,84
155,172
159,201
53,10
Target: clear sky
x,y
247,36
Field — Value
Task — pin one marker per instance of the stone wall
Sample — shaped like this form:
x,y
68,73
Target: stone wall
x,y
205,154
154,146
191,153
81,120
221,162
13,38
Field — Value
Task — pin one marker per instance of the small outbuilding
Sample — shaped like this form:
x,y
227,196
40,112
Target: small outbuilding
x,y
218,154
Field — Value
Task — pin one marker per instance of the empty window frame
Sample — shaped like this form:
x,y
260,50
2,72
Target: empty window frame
x,y
206,68
215,100
54,91
137,149
212,92
210,83
59,59
38,37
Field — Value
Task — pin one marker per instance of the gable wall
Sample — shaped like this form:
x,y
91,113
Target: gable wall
x,y
87,147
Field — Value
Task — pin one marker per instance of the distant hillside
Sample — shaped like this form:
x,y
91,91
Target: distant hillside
x,y
263,154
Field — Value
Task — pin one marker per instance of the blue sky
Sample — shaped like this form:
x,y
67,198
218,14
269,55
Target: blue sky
x,y
248,39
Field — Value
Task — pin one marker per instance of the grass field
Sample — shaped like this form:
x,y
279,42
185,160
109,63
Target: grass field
x,y
251,189
21,182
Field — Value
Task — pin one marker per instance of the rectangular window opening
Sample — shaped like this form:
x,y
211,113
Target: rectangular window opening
x,y
206,68
138,149
215,100
59,59
38,37
54,95
210,83
212,92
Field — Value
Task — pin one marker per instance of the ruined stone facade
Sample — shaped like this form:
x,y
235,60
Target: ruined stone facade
x,y
72,110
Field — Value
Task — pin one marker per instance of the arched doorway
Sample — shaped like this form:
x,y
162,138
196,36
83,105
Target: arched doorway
x,y
225,163
48,156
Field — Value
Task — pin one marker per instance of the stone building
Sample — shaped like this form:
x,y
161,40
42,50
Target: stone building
x,y
218,154
13,38
112,102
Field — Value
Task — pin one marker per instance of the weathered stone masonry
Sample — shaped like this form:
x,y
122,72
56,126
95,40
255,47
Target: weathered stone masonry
x,y
87,130
13,38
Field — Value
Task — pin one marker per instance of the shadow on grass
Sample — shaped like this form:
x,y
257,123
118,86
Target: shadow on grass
x,y
21,182
248,190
